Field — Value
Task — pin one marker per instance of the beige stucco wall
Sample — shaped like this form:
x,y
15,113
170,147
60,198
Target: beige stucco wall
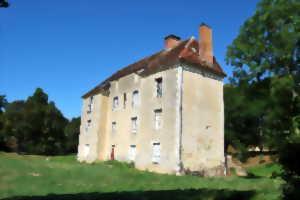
x,y
202,122
199,135
94,136
146,133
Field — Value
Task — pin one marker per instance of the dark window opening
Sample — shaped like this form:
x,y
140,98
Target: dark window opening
x,y
158,87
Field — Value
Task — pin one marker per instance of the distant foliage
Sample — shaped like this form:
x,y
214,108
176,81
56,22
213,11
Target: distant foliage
x,y
3,4
72,131
266,53
36,126
245,113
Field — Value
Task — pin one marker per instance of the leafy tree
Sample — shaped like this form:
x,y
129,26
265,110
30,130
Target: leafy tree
x,y
244,116
13,125
268,47
39,97
72,131
3,4
3,103
34,126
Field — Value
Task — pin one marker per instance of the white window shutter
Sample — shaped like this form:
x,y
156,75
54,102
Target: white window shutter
x,y
156,153
135,98
86,150
132,153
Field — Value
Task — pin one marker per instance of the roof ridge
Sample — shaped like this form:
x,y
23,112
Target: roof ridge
x,y
180,52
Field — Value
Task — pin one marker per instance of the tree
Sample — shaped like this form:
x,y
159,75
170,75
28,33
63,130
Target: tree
x,y
13,125
245,107
3,4
34,126
268,47
72,131
3,103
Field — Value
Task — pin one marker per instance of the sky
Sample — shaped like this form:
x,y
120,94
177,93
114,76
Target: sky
x,y
68,47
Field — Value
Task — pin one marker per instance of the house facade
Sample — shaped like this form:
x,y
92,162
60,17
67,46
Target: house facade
x,y
165,112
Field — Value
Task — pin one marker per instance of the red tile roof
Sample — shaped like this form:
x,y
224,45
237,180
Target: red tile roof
x,y
185,52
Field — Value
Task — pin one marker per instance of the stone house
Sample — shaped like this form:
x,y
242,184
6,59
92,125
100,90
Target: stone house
x,y
165,112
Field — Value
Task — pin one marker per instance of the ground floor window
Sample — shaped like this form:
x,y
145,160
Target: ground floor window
x,y
86,150
132,153
113,151
155,152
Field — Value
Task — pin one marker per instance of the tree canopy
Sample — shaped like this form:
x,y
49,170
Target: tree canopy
x,y
3,4
36,126
266,53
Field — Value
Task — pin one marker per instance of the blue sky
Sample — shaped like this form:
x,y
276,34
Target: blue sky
x,y
67,47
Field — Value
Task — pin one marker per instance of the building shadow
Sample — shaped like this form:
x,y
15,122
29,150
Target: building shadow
x,y
188,194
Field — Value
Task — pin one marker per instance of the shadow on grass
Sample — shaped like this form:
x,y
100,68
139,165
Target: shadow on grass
x,y
252,176
190,194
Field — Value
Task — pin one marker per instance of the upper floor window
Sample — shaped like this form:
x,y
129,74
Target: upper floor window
x,y
91,104
124,100
113,127
135,98
134,125
88,125
158,82
157,118
115,103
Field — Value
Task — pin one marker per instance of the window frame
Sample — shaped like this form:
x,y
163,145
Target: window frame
x,y
135,100
134,129
159,87
115,103
158,124
156,153
131,153
113,127
124,100
90,104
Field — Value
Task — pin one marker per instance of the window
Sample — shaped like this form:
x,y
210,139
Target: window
x,y
88,125
155,152
112,153
113,127
115,103
157,118
134,124
86,150
135,98
132,153
125,100
89,122
91,104
158,87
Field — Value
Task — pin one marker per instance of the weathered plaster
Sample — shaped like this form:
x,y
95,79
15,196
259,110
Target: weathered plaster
x,y
191,135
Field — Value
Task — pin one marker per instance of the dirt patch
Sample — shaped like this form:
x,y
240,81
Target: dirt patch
x,y
259,160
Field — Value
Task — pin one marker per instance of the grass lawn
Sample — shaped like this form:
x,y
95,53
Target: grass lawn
x,y
63,178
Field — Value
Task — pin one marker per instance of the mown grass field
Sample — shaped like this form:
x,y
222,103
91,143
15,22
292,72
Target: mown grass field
x,y
63,178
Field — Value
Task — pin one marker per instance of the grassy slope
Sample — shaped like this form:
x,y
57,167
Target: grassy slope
x,y
39,176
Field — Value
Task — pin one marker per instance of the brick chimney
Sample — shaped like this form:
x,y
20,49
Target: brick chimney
x,y
205,41
171,41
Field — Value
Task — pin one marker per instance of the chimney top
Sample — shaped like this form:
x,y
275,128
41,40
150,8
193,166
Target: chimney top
x,y
171,41
206,43
172,36
203,24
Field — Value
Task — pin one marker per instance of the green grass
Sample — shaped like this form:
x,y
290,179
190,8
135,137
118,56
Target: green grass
x,y
268,170
62,177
